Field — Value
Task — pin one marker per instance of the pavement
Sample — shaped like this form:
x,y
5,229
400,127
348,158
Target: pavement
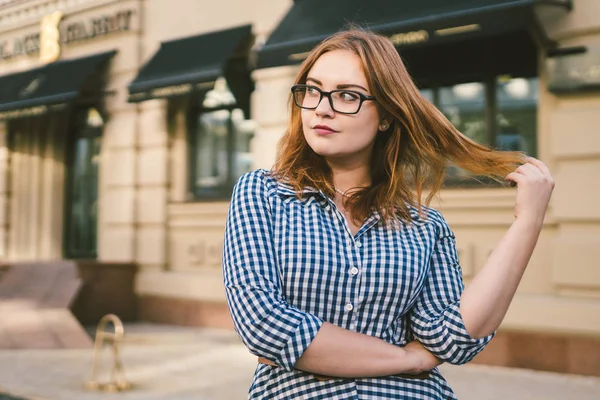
x,y
182,363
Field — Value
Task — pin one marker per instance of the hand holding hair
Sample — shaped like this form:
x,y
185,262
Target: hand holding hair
x,y
534,188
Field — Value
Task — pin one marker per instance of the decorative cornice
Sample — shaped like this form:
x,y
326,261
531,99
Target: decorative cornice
x,y
6,3
18,13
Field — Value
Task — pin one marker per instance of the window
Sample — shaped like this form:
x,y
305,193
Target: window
x,y
516,115
220,136
500,112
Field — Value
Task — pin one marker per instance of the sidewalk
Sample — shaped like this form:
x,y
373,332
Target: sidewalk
x,y
182,363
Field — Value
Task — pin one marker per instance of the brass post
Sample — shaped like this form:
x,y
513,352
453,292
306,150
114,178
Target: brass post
x,y
117,381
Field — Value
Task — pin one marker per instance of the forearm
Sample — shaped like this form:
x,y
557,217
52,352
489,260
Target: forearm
x,y
485,301
342,353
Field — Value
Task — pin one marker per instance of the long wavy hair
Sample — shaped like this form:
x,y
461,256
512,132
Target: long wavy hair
x,y
409,159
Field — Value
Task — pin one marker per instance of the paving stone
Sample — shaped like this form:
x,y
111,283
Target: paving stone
x,y
207,364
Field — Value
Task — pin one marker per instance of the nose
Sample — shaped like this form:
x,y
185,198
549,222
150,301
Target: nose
x,y
324,108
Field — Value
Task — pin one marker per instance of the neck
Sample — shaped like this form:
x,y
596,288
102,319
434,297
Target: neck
x,y
349,177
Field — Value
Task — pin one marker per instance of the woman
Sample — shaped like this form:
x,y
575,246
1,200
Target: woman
x,y
332,265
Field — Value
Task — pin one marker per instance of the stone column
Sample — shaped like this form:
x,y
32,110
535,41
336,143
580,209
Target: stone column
x,y
116,214
573,139
270,112
152,186
134,186
575,146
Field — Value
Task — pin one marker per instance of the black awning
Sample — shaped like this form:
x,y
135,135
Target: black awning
x,y
53,86
411,25
189,64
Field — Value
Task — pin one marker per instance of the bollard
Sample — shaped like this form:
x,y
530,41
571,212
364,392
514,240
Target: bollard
x,y
117,381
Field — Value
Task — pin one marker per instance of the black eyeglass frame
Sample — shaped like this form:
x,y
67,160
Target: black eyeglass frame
x,y
363,97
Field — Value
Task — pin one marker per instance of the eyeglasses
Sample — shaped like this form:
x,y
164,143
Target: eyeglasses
x,y
342,101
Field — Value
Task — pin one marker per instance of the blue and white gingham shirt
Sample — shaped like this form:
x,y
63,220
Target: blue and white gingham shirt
x,y
289,264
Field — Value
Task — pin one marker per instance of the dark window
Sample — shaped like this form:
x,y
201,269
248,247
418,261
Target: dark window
x,y
219,137
500,112
81,207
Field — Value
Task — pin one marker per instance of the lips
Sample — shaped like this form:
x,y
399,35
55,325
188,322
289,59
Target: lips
x,y
323,129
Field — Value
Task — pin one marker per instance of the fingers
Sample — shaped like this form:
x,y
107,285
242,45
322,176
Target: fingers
x,y
530,170
533,168
540,165
538,170
515,177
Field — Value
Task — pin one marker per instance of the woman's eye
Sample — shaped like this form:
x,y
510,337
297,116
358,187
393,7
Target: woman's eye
x,y
312,91
349,96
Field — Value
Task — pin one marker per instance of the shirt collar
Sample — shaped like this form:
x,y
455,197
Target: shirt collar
x,y
285,189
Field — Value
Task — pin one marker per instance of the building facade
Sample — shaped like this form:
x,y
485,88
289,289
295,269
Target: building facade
x,y
124,125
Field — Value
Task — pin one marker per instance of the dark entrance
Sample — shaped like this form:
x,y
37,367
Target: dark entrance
x,y
81,200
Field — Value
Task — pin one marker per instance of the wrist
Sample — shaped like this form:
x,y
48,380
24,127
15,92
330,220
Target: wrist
x,y
533,222
413,363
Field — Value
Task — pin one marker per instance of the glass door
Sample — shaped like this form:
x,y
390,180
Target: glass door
x,y
81,208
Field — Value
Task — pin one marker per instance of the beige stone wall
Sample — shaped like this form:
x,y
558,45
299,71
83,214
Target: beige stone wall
x,y
558,293
116,192
571,137
145,215
194,230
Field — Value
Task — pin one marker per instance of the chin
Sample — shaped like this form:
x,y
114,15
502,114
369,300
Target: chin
x,y
331,153
322,149
327,153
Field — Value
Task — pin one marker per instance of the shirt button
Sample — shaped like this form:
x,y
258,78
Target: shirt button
x,y
353,271
348,307
358,244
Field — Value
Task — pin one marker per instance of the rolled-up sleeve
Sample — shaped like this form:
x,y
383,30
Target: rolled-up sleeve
x,y
267,325
435,319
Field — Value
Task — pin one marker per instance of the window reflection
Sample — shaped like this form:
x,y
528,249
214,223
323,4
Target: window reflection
x,y
464,106
428,94
221,152
514,101
516,117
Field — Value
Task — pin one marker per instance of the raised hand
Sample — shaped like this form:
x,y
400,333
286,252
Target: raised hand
x,y
534,188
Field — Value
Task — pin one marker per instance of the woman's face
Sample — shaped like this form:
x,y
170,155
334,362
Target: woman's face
x,y
340,138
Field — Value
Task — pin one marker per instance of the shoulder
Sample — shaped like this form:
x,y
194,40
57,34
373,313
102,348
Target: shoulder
x,y
258,176
259,181
252,194
431,217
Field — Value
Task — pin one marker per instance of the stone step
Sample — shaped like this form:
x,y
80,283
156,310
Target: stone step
x,y
35,300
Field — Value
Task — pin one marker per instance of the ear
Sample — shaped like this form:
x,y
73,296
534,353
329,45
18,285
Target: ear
x,y
384,125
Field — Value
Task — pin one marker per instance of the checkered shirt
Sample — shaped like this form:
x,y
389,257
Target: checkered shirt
x,y
289,264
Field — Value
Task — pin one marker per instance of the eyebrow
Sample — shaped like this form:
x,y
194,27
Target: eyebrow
x,y
342,86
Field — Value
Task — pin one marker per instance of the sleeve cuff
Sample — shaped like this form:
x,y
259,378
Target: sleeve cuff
x,y
456,328
299,341
465,346
448,338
